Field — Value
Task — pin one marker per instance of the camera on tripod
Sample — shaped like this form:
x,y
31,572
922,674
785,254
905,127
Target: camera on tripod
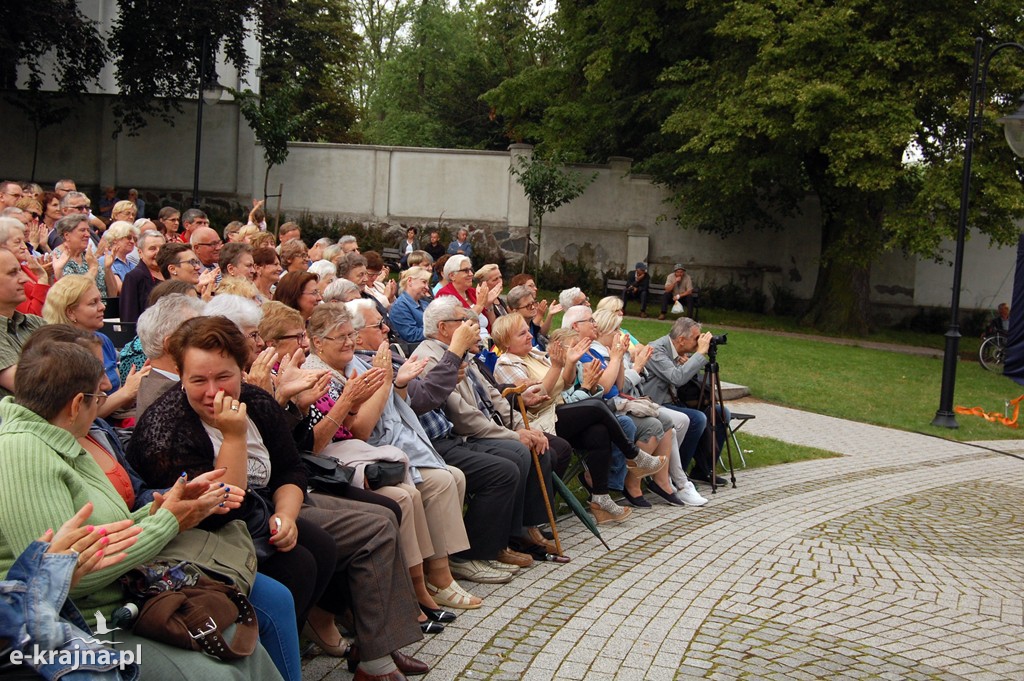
x,y
720,339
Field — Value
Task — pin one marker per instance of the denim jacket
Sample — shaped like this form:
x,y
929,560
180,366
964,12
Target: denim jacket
x,y
35,614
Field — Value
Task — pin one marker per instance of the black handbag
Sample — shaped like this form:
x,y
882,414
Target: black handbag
x,y
326,475
384,473
256,511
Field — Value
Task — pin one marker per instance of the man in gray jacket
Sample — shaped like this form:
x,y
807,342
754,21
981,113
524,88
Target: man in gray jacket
x,y
676,360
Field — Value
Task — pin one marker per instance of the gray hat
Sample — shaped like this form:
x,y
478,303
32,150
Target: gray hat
x,y
640,266
679,266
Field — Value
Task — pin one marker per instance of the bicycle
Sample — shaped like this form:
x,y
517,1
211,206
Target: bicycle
x,y
992,352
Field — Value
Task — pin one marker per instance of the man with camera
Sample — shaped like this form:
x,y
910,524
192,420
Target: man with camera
x,y
672,378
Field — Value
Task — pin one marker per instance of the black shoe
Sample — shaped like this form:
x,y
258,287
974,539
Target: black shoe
x,y
670,497
639,501
438,615
706,478
429,627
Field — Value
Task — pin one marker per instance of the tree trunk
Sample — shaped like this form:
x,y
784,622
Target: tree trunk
x,y
850,232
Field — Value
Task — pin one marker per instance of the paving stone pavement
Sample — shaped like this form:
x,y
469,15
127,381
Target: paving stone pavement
x,y
903,559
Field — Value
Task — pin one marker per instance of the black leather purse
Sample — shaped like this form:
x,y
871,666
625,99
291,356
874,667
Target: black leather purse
x,y
384,473
326,475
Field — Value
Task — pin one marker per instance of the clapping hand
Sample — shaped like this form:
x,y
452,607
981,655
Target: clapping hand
x,y
359,388
556,353
260,373
97,546
412,368
592,372
382,360
578,349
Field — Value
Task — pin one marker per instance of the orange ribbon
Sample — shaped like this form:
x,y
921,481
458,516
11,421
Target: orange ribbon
x,y
993,416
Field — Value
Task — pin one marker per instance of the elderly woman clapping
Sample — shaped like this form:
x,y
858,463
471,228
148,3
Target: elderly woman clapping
x,y
587,424
359,397
75,257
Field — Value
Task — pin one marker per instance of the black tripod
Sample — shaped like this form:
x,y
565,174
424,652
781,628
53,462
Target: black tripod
x,y
714,397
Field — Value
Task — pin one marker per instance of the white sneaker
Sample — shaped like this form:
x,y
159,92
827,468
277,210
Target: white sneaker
x,y
689,496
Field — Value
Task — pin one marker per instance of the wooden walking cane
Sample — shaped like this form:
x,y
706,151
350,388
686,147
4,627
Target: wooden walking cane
x,y
518,391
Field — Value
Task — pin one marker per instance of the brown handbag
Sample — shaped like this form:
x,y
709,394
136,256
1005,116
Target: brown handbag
x,y
197,618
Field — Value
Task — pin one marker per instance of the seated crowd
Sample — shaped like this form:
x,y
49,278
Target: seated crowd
x,y
251,351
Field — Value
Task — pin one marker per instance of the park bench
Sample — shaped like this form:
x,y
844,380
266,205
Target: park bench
x,y
617,286
392,257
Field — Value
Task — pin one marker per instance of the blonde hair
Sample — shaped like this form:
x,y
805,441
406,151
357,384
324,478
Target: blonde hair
x,y
247,232
237,286
124,207
613,303
563,336
64,295
262,239
119,229
504,328
486,271
607,321
278,318
414,273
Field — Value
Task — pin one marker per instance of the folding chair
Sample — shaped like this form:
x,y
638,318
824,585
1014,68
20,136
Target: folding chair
x,y
742,418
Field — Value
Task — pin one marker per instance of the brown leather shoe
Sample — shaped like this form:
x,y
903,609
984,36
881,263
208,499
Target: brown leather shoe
x,y
603,517
409,666
393,676
661,316
510,557
534,536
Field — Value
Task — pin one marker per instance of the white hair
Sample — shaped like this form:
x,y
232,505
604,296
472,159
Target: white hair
x,y
324,269
242,311
340,290
356,308
439,310
456,263
6,225
575,314
568,297
163,318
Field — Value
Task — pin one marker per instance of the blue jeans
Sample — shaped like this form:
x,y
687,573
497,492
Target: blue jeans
x,y
698,423
33,604
617,471
275,611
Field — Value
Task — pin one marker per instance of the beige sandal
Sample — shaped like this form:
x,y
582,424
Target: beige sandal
x,y
452,596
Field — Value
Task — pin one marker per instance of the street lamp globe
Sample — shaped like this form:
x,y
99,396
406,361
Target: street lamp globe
x,y
1013,128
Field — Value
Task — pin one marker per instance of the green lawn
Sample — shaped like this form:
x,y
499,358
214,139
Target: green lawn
x,y
765,451
872,386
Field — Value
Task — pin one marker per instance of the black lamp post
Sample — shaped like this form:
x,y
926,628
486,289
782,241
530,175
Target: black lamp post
x,y
1013,127
210,92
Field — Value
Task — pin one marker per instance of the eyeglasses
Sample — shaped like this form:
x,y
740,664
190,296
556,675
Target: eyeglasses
x,y
254,336
379,325
194,262
213,244
315,293
35,216
460,320
350,337
99,397
464,271
528,306
293,336
19,195
84,208
587,321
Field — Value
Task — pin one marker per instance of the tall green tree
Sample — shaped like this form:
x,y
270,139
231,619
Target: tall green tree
x,y
156,46
309,48
748,108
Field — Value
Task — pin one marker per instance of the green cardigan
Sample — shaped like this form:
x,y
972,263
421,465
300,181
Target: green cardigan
x,y
45,477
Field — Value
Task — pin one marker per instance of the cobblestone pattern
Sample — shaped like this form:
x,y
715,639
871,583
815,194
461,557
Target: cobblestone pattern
x,y
873,564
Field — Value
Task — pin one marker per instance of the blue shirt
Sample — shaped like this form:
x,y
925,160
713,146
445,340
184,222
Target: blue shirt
x,y
406,318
